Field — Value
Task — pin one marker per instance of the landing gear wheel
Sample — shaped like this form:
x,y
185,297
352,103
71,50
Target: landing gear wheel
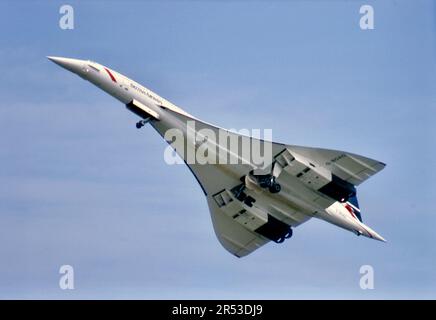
x,y
275,188
289,234
142,123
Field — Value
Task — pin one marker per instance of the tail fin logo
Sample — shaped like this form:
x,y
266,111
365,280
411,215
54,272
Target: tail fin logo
x,y
353,207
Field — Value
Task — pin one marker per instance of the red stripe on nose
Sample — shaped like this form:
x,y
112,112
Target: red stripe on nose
x,y
110,75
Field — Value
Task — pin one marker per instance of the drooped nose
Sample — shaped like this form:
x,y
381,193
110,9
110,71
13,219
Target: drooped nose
x,y
73,65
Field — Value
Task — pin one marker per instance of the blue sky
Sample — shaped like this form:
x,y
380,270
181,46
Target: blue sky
x,y
80,185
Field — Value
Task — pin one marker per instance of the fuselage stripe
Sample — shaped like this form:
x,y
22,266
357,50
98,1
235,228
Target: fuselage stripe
x,y
110,75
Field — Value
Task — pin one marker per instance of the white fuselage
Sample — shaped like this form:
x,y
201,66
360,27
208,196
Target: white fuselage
x,y
123,88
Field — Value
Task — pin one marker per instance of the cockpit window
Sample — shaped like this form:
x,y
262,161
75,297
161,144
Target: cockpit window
x,y
94,67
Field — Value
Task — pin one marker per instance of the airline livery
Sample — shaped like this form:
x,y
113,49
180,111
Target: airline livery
x,y
252,198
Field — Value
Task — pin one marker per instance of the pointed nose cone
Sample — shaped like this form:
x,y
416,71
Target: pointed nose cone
x,y
73,65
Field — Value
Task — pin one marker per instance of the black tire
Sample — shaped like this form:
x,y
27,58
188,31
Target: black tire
x,y
275,188
289,234
280,240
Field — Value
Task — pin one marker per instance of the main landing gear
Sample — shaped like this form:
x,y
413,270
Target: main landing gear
x,y
268,181
282,238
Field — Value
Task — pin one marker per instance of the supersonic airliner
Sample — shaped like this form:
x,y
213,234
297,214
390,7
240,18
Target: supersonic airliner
x,y
249,204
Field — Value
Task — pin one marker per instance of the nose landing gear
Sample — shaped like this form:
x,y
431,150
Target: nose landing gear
x,y
142,123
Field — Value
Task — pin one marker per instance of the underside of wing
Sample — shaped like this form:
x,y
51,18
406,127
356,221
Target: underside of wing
x,y
228,161
349,167
243,218
233,236
251,204
244,224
